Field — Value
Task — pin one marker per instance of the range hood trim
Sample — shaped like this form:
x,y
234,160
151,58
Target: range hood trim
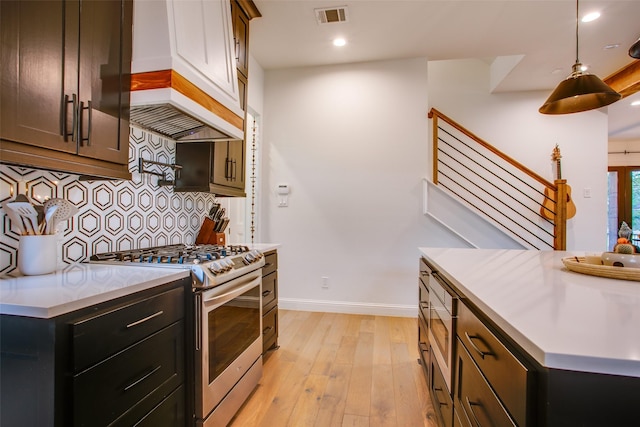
x,y
151,97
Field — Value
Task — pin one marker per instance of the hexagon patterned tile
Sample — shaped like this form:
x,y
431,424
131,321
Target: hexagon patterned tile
x,y
113,215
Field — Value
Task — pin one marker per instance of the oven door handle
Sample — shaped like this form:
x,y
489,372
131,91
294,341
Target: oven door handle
x,y
227,296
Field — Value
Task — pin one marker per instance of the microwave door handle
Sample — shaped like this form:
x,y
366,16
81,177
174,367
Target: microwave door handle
x,y
227,296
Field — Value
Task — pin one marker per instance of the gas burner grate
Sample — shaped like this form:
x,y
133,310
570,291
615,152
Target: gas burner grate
x,y
171,254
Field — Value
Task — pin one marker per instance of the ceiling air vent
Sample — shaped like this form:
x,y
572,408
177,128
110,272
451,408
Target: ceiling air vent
x,y
332,14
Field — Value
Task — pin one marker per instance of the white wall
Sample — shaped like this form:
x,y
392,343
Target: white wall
x,y
512,123
351,142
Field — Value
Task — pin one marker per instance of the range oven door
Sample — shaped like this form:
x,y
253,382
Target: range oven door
x,y
228,338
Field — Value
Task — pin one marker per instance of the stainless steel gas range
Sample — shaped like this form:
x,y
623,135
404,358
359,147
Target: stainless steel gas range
x,y
227,328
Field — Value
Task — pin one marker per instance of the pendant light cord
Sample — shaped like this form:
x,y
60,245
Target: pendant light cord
x,y
577,24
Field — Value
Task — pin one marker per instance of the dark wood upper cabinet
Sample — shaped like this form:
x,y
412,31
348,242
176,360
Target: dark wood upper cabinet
x,y
65,85
241,36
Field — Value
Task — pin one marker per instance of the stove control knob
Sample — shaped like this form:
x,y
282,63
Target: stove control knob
x,y
249,258
257,254
215,268
227,264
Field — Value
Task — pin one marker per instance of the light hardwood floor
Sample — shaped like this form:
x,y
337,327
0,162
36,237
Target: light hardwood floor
x,y
341,370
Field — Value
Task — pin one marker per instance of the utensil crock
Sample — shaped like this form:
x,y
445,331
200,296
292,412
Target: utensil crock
x,y
37,254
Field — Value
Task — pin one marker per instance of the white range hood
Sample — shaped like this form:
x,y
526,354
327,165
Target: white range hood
x,y
184,82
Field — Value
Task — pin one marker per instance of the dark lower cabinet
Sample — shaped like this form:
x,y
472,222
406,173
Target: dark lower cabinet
x,y
119,363
270,302
475,400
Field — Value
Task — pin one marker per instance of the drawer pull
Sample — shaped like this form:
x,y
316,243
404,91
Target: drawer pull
x,y
473,414
138,381
480,352
437,389
266,293
131,325
423,347
266,330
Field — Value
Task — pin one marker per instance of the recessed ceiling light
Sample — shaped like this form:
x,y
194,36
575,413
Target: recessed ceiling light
x,y
612,46
635,104
339,42
591,17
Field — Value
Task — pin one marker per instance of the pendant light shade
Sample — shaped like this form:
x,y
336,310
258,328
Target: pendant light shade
x,y
580,91
634,50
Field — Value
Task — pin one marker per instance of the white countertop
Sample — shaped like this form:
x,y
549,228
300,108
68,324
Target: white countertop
x,y
563,319
82,285
78,286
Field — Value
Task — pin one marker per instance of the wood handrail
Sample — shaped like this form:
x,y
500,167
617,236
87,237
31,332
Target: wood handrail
x,y
434,112
558,188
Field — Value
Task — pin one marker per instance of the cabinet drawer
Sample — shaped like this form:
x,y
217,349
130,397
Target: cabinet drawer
x,y
507,376
104,334
269,327
139,376
269,291
474,397
440,396
270,262
169,412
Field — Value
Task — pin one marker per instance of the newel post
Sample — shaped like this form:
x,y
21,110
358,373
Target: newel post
x,y
560,222
434,143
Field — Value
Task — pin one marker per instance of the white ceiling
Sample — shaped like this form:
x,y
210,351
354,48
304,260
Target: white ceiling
x,y
541,32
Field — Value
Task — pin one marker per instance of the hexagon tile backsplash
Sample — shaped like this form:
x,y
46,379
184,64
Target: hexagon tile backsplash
x,y
113,215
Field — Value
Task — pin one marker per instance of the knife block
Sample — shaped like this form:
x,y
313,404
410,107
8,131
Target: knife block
x,y
206,235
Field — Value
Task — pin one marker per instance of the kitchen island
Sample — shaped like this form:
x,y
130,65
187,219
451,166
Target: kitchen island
x,y
578,336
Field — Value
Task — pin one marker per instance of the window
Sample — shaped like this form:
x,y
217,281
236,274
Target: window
x,y
623,201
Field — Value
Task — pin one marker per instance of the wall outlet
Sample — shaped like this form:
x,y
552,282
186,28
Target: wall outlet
x,y
325,282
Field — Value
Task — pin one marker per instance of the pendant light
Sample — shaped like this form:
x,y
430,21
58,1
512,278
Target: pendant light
x,y
580,91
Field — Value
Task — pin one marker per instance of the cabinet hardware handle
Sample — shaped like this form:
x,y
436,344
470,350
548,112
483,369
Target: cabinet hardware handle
x,y
138,381
267,329
74,117
227,173
480,352
237,50
198,320
131,325
80,113
423,346
473,413
233,169
267,292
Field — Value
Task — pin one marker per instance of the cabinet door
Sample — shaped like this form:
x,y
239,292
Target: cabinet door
x,y
236,157
222,168
241,36
104,80
34,82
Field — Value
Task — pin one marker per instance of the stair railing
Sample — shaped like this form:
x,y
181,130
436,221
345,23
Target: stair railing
x,y
499,188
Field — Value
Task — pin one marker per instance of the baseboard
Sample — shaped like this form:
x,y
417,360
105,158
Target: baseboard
x,y
393,310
